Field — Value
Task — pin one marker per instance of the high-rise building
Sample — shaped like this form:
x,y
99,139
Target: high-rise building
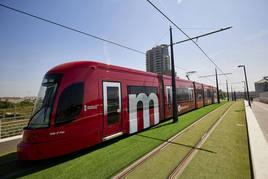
x,y
158,60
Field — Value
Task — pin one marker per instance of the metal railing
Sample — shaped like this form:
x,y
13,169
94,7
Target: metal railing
x,y
13,126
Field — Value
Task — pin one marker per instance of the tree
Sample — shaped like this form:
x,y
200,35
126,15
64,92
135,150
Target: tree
x,y
5,104
222,94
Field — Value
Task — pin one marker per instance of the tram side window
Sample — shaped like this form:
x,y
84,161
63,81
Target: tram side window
x,y
184,94
70,103
169,96
209,94
206,93
113,104
199,93
191,94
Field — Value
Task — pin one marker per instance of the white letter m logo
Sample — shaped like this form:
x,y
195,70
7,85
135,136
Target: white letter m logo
x,y
133,103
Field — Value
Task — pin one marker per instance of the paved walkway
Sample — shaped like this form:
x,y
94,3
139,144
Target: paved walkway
x,y
9,144
258,144
260,111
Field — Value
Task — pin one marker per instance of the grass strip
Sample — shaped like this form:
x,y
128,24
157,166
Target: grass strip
x,y
105,160
163,163
230,143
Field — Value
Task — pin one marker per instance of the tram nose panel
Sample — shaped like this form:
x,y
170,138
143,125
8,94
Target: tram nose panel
x,y
36,136
26,152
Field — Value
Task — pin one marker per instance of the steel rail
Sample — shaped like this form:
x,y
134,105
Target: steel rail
x,y
138,163
188,157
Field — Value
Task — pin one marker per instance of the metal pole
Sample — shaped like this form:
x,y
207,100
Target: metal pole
x,y
244,86
249,103
227,90
245,93
234,95
175,112
14,110
218,94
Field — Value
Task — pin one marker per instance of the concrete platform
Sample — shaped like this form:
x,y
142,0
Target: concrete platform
x,y
9,144
257,141
260,111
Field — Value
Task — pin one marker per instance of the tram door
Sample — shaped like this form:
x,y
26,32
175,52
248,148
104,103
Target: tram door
x,y
112,107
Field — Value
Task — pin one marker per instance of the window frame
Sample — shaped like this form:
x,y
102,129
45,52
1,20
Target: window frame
x,y
185,95
58,79
197,93
118,99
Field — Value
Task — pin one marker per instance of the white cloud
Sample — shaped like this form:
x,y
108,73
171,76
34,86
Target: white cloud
x,y
179,1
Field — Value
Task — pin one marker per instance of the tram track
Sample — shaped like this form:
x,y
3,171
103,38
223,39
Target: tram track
x,y
188,157
182,163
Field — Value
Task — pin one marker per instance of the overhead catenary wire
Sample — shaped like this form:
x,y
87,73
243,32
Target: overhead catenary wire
x,y
186,36
94,36
161,38
233,83
180,68
200,28
72,29
205,76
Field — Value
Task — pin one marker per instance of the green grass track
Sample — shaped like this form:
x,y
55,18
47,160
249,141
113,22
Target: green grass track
x,y
230,145
107,159
165,161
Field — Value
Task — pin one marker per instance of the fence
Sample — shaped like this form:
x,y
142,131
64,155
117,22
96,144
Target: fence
x,y
12,126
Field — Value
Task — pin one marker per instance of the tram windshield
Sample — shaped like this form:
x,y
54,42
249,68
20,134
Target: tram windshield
x,y
44,102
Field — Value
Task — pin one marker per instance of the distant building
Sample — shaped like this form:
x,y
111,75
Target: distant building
x,y
261,88
262,85
242,95
12,99
158,60
18,99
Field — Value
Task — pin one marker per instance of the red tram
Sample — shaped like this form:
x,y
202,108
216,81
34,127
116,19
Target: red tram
x,y
81,104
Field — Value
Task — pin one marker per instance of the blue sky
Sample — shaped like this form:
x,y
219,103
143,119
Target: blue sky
x,y
30,47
